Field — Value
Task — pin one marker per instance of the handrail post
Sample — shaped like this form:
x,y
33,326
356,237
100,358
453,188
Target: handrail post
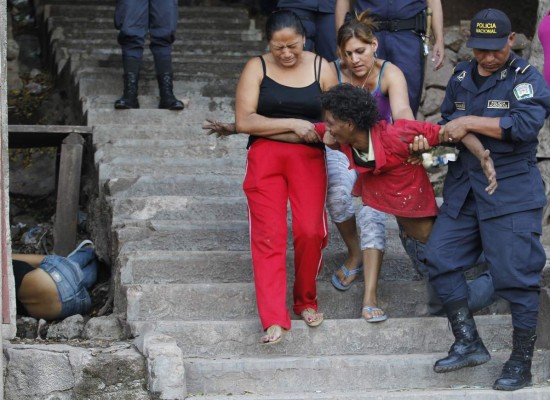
x,y
68,192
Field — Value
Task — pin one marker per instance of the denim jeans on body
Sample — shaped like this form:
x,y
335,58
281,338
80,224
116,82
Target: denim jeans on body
x,y
69,279
88,263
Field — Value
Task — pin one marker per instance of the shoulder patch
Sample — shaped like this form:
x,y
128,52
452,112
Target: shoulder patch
x,y
524,91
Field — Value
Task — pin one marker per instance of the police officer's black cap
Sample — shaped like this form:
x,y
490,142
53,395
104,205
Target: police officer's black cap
x,y
489,30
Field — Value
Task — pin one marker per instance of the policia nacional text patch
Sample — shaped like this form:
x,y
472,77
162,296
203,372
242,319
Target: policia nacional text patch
x,y
499,104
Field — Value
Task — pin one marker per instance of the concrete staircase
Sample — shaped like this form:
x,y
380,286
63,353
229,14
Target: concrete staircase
x,y
172,219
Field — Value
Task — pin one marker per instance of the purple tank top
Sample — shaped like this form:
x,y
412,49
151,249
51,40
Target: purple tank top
x,y
382,101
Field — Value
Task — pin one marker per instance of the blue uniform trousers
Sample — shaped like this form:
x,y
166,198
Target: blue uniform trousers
x,y
405,49
512,248
134,18
320,32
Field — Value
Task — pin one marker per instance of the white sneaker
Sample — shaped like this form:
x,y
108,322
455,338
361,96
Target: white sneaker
x,y
81,245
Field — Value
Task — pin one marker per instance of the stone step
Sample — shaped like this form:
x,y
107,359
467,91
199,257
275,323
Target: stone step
x,y
181,3
192,134
232,339
181,72
183,33
196,113
185,208
127,167
235,22
225,65
457,392
175,185
192,102
178,149
108,11
91,84
187,267
227,235
103,134
237,301
324,373
180,48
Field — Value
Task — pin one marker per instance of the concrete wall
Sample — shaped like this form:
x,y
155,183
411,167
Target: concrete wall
x,y
3,151
7,285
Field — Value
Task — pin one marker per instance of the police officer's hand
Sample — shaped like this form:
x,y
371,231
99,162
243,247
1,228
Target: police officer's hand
x,y
456,129
489,171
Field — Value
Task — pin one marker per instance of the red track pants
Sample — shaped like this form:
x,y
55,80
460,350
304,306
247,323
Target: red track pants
x,y
276,173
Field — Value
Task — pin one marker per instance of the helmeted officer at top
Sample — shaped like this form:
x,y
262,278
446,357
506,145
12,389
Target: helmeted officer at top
x,y
504,101
134,19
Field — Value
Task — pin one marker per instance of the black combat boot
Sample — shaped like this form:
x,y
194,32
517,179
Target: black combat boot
x,y
516,373
468,349
129,98
167,98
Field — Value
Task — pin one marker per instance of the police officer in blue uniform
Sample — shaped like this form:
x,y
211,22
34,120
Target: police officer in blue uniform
x,y
133,19
401,36
317,16
504,101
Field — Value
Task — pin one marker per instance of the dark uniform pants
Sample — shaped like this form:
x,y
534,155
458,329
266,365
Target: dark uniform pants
x,y
320,32
134,18
405,49
513,252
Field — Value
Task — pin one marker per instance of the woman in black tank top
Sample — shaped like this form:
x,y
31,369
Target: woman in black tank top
x,y
278,97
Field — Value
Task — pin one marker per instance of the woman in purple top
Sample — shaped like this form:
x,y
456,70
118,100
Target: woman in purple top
x,y
357,47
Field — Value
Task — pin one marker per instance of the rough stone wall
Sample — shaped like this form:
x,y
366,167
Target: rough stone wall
x,y
113,371
7,289
3,150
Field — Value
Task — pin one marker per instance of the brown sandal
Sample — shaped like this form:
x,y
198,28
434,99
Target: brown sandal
x,y
274,334
311,317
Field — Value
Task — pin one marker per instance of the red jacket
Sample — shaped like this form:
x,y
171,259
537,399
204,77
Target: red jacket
x,y
394,186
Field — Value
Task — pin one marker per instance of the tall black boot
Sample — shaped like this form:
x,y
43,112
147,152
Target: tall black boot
x,y
516,373
167,98
129,98
468,349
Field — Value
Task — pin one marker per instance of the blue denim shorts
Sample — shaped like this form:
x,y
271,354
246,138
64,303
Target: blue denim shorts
x,y
69,279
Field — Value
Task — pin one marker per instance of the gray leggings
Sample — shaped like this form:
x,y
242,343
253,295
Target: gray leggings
x,y
341,207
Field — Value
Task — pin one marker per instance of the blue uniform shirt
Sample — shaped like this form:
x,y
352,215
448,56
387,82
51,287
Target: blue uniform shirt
x,y
519,96
391,9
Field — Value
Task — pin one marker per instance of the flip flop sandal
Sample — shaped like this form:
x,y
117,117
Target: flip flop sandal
x,y
314,322
336,282
378,318
271,331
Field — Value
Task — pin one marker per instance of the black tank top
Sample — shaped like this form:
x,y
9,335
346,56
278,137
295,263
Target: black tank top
x,y
280,101
20,269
